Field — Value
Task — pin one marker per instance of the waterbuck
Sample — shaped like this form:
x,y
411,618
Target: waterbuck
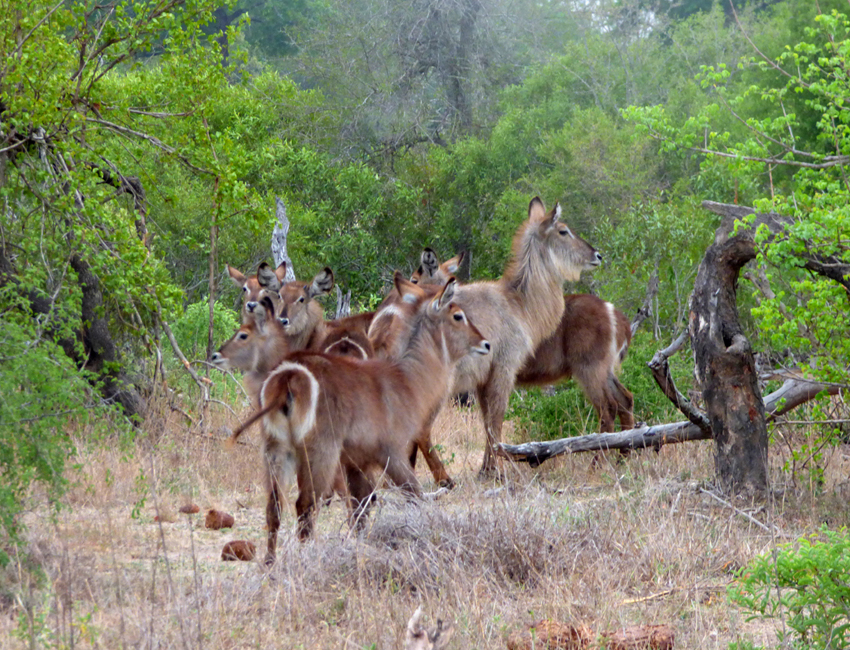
x,y
589,345
518,312
323,411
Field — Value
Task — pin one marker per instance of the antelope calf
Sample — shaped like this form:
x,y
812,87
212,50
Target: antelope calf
x,y
589,345
518,312
321,412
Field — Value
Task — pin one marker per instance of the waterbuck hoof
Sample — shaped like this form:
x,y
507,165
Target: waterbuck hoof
x,y
269,560
447,483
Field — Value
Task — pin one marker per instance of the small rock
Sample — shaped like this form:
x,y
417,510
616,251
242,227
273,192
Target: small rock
x,y
216,519
238,550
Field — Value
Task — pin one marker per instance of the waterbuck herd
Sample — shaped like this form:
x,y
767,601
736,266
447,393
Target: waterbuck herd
x,y
342,402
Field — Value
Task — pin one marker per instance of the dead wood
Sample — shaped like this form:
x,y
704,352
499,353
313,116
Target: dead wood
x,y
661,373
552,635
793,393
646,309
279,235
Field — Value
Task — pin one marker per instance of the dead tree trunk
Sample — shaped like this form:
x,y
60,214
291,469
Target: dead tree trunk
x,y
279,235
725,367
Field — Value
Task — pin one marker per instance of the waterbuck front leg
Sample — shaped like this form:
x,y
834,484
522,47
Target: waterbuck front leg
x,y
435,463
493,400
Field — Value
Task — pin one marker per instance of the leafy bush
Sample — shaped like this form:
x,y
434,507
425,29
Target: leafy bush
x,y
805,584
44,396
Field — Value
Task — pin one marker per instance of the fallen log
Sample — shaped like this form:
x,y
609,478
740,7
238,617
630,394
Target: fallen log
x,y
791,394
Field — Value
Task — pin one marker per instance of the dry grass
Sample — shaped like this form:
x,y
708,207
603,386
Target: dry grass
x,y
632,541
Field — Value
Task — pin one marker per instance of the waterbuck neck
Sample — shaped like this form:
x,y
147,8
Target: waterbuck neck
x,y
533,282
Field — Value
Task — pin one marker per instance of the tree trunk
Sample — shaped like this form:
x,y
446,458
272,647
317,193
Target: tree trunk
x,y
279,235
101,355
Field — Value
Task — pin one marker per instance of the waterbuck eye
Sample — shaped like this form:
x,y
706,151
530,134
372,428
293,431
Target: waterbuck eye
x,y
242,336
301,299
458,316
244,288
564,233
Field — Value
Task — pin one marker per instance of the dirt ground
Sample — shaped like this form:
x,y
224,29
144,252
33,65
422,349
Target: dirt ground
x,y
606,542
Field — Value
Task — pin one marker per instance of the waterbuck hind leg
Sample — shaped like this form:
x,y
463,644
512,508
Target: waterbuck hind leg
x,y
272,521
315,479
361,496
625,404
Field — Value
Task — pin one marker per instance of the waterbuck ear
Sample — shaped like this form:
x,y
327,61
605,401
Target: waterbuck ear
x,y
446,295
536,210
280,272
322,283
429,261
452,265
408,290
267,278
237,277
263,312
554,217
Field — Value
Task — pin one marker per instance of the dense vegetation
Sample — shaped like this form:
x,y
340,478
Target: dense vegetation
x,y
142,144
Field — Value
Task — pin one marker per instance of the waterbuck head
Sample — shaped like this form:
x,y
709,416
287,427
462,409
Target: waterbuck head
x,y
257,346
267,281
450,329
430,270
298,311
545,245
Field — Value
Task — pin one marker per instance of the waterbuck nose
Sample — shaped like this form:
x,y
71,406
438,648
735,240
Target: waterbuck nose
x,y
251,306
598,257
216,357
284,321
486,345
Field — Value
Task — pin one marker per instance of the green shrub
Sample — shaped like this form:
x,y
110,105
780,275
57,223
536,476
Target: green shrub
x,y
806,584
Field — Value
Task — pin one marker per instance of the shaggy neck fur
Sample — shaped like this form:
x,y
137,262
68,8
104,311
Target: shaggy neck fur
x,y
535,283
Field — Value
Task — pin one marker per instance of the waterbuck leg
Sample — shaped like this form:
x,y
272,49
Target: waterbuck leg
x,y
361,496
272,520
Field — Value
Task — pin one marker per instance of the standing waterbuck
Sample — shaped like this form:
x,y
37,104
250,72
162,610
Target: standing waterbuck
x,y
589,345
322,411
518,312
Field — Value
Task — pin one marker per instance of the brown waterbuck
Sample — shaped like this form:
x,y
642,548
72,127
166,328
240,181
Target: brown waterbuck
x,y
518,312
589,345
323,411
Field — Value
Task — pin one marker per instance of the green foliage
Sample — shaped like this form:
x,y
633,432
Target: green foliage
x,y
778,133
43,398
804,584
192,328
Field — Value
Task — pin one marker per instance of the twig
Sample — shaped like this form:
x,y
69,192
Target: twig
x,y
745,515
661,373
